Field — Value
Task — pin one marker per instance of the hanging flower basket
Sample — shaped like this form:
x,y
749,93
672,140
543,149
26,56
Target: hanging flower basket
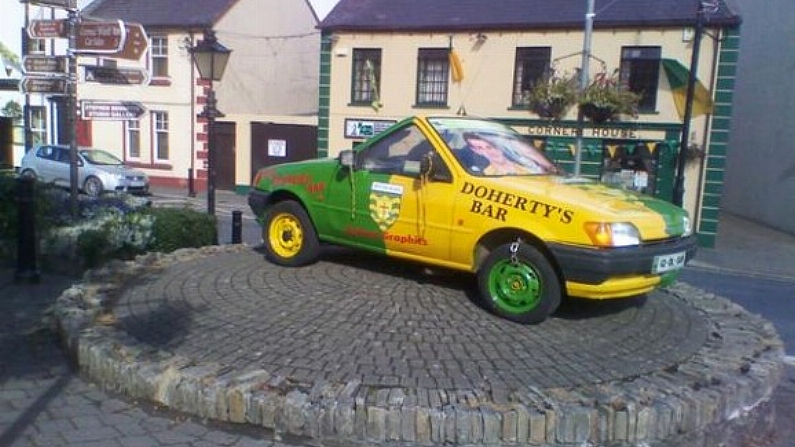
x,y
552,96
605,99
598,114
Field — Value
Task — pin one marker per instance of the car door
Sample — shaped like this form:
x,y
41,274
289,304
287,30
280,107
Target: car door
x,y
386,204
46,163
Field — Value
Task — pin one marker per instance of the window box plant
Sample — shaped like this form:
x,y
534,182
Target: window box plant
x,y
552,96
606,99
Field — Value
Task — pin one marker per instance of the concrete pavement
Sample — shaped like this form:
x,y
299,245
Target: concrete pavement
x,y
42,402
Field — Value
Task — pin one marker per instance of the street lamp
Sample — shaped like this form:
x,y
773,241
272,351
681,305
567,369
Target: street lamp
x,y
210,58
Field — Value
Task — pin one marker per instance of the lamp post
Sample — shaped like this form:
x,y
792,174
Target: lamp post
x,y
679,181
210,58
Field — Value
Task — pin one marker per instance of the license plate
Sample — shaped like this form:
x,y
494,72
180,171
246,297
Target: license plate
x,y
666,263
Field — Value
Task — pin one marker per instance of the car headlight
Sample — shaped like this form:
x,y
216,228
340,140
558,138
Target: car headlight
x,y
612,234
687,225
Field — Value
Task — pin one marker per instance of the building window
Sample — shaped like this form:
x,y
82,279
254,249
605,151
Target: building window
x,y
36,46
433,67
133,139
530,66
640,72
38,125
161,135
366,76
159,52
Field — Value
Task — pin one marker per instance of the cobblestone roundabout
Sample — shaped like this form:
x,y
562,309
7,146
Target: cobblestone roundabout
x,y
367,350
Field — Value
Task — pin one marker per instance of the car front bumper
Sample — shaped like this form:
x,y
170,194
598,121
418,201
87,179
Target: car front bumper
x,y
592,266
257,201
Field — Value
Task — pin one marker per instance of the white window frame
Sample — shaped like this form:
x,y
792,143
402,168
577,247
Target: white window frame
x,y
160,131
132,127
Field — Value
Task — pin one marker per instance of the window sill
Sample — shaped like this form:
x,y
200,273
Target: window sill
x,y
160,82
160,165
431,106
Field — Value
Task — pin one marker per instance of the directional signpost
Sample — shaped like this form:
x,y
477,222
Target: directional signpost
x,y
116,75
136,43
47,29
111,110
66,4
46,85
44,64
100,37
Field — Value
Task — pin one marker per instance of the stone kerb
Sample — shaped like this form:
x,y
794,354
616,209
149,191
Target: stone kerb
x,y
720,396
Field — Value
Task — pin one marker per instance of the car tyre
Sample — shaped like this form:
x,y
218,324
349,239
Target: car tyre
x,y
521,286
289,235
93,187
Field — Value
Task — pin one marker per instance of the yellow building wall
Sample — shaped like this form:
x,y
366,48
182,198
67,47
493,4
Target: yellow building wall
x,y
487,87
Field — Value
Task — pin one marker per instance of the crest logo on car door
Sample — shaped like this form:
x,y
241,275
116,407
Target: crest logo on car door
x,y
385,200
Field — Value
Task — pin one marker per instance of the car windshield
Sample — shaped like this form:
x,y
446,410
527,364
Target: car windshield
x,y
487,148
99,157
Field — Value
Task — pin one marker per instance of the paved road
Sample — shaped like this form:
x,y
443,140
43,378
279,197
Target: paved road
x,y
43,403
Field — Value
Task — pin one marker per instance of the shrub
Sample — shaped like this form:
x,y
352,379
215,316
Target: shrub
x,y
181,228
106,234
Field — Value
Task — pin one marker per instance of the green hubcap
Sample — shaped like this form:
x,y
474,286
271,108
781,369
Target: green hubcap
x,y
514,287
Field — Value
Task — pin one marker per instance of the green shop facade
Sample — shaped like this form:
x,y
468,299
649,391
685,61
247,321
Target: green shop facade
x,y
639,154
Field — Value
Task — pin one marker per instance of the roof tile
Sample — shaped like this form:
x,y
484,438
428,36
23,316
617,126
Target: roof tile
x,y
389,15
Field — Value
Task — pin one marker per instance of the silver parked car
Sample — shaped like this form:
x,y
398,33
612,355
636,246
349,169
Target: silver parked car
x,y
98,170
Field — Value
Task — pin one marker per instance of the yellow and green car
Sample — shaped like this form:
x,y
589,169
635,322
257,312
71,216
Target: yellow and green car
x,y
473,195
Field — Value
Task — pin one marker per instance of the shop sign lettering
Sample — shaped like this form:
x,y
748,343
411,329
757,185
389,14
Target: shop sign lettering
x,y
496,204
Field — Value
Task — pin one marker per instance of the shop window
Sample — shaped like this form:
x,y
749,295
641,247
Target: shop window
x,y
530,66
640,72
366,76
433,69
631,165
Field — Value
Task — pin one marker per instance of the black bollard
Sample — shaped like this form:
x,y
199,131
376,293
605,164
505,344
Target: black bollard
x,y
237,227
27,271
191,187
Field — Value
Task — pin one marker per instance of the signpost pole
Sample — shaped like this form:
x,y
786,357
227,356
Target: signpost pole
x,y
71,120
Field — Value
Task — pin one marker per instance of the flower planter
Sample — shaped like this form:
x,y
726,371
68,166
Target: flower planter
x,y
554,109
598,114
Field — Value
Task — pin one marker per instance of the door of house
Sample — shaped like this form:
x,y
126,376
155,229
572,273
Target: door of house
x,y
279,143
225,157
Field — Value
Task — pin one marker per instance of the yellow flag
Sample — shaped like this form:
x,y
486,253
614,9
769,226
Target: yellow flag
x,y
456,69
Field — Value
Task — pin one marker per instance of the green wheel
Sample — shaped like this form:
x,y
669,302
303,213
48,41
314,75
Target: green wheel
x,y
521,286
290,238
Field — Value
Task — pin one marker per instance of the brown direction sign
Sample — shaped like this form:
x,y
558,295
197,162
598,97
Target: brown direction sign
x,y
47,29
115,75
44,64
67,4
136,43
51,85
100,37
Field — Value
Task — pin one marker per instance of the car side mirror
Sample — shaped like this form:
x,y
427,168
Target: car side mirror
x,y
346,158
